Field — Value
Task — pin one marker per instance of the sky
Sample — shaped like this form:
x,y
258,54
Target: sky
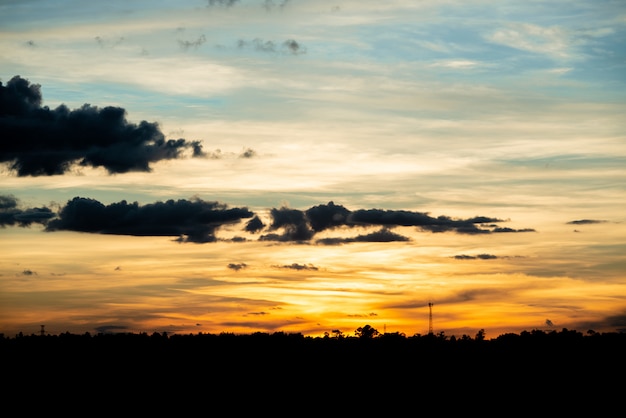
x,y
312,166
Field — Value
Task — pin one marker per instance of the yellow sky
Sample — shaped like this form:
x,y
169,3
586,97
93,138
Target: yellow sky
x,y
74,282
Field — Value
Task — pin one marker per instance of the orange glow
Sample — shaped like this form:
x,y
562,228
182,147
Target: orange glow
x,y
153,284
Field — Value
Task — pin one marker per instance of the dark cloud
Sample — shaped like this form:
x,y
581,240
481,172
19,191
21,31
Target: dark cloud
x,y
40,141
585,222
506,230
293,47
248,153
191,220
258,44
254,225
289,46
296,266
382,235
185,45
421,220
303,225
34,215
237,239
224,3
270,5
617,321
28,272
294,224
110,329
487,256
237,266
103,43
465,257
11,214
196,220
327,216
262,313
475,257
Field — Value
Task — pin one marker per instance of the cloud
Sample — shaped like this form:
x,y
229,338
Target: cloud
x,y
190,220
296,266
269,5
262,313
382,235
258,44
300,225
110,329
103,43
293,222
293,47
254,225
38,141
391,218
197,220
289,46
459,64
223,3
237,266
185,45
506,230
618,321
552,41
11,214
585,222
475,257
327,216
248,153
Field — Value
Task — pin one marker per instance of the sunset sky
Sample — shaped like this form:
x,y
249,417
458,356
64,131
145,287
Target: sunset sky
x,y
312,165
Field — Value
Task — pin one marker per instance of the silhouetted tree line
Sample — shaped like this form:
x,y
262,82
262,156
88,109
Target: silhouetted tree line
x,y
366,340
365,368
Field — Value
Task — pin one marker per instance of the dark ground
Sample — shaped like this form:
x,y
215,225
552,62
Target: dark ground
x,y
567,371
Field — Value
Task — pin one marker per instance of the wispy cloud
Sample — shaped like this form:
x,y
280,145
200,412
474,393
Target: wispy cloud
x,y
457,64
552,41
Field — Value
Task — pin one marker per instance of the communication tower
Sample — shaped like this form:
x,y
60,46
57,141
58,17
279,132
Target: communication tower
x,y
430,317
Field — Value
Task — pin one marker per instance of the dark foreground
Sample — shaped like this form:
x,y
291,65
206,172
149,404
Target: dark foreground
x,y
567,368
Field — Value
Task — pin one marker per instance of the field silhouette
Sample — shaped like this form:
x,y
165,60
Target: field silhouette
x,y
580,370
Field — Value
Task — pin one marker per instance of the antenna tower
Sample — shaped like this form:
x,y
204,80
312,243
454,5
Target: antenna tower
x,y
430,317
